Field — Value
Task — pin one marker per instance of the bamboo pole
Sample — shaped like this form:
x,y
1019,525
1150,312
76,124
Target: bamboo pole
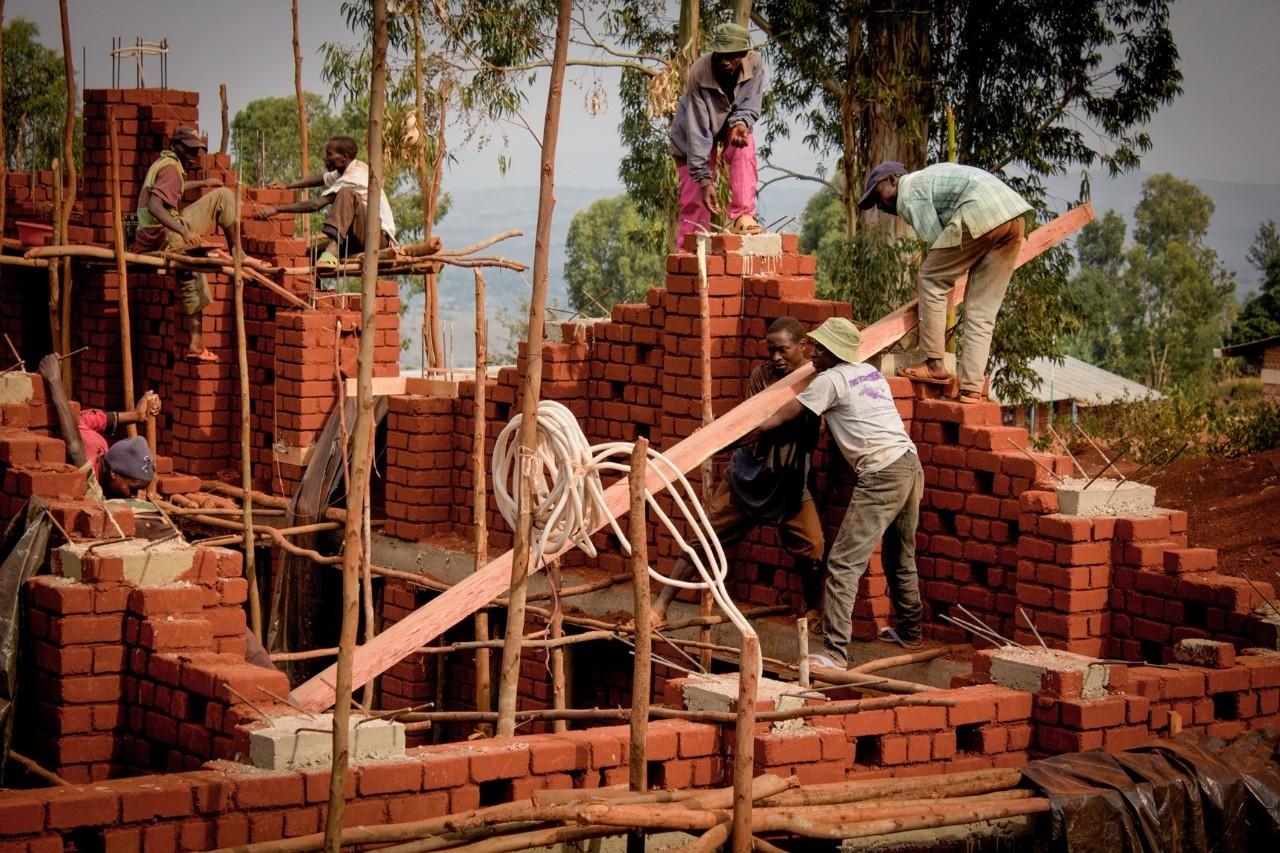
x,y
510,673
555,630
638,533
484,689
745,742
30,765
246,431
353,549
4,163
704,378
226,126
68,182
122,271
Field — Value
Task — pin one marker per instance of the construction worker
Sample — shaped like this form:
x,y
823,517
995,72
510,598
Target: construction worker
x,y
714,119
119,470
766,483
858,407
973,223
346,194
161,226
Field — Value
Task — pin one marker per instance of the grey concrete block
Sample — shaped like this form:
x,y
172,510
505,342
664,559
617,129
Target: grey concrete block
x,y
1105,497
720,693
301,741
1025,669
145,564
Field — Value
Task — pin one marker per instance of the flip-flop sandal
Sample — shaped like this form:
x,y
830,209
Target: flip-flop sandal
x,y
814,618
970,398
205,356
889,635
746,224
326,261
920,373
816,659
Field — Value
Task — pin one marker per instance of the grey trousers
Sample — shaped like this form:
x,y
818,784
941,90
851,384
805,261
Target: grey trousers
x,y
885,505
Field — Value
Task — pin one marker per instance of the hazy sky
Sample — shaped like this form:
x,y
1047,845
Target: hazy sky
x,y
1224,127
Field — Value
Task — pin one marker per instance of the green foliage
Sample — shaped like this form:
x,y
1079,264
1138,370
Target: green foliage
x,y
1260,316
614,254
266,141
1155,311
1153,431
35,100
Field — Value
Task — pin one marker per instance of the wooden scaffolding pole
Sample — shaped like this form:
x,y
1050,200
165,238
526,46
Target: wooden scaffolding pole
x,y
68,199
226,126
246,431
555,631
509,675
482,587
744,741
55,287
484,689
708,415
4,163
362,441
302,113
641,674
122,272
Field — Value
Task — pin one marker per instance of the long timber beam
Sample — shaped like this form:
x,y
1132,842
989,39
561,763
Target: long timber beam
x,y
478,589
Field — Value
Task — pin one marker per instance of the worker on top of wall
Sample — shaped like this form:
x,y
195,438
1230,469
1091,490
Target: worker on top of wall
x,y
858,407
118,470
714,119
973,223
346,194
766,483
161,226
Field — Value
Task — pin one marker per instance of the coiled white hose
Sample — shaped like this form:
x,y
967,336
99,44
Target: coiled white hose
x,y
568,499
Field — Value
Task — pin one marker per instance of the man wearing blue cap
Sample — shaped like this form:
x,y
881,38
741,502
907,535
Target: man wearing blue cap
x,y
119,470
860,413
973,223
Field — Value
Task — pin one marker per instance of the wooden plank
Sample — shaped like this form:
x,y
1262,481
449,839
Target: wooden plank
x,y
478,589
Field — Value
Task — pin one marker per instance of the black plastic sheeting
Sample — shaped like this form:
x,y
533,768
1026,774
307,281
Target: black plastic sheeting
x,y
1191,793
23,548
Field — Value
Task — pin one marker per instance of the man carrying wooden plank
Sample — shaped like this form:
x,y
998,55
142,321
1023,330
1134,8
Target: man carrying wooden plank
x,y
972,223
766,483
161,226
858,407
716,114
346,193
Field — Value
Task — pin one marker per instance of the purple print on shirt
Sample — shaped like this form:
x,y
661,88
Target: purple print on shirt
x,y
874,393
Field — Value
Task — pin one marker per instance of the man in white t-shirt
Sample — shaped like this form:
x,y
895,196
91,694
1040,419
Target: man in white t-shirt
x,y
855,401
346,194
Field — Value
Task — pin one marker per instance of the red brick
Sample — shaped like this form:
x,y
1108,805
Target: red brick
x,y
77,805
549,755
19,816
1066,528
264,790
920,718
698,740
151,800
1153,527
499,762
1096,714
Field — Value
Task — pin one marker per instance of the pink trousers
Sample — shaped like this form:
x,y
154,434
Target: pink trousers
x,y
743,177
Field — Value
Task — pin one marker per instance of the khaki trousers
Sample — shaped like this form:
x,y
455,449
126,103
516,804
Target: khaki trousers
x,y
346,221
200,216
989,260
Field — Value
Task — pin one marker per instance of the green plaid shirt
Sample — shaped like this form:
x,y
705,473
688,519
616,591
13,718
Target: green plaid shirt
x,y
942,201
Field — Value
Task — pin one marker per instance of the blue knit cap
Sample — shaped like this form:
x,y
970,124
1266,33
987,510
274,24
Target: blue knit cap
x,y
132,458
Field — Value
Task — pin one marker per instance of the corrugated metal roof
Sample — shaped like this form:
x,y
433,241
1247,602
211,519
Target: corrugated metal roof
x,y
1086,384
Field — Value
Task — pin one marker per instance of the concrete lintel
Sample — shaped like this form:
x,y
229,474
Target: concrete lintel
x,y
302,741
15,388
145,563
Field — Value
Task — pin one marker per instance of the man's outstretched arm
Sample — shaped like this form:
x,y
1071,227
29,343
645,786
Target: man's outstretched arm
x,y
51,369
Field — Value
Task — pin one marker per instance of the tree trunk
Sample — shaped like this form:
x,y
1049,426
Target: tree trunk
x,y
302,115
742,12
510,674
362,439
226,125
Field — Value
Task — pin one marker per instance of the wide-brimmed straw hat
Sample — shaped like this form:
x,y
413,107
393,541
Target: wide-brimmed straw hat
x,y
840,337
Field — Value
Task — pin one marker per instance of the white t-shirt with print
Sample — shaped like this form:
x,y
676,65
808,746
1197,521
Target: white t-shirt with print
x,y
858,407
356,177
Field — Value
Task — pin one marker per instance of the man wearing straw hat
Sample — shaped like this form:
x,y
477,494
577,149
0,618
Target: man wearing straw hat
x,y
714,119
858,407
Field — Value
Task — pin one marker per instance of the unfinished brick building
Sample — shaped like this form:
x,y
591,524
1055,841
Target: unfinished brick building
x,y
134,688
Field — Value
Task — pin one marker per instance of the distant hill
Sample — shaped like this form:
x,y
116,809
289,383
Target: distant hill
x,y
476,214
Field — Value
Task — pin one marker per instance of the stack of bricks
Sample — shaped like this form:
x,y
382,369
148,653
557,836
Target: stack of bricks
x,y
32,459
967,552
130,676
422,461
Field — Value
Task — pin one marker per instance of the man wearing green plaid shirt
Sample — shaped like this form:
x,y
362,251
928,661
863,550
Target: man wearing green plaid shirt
x,y
972,223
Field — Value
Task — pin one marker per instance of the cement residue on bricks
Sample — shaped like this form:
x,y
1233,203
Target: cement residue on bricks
x,y
1049,670
1208,653
291,743
146,563
1083,498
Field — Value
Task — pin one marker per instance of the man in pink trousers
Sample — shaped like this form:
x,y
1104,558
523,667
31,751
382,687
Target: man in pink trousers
x,y
714,120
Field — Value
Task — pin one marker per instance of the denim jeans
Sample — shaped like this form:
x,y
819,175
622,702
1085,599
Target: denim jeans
x,y
885,505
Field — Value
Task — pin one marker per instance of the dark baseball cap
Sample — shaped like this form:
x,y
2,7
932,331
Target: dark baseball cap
x,y
887,169
188,137
131,458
